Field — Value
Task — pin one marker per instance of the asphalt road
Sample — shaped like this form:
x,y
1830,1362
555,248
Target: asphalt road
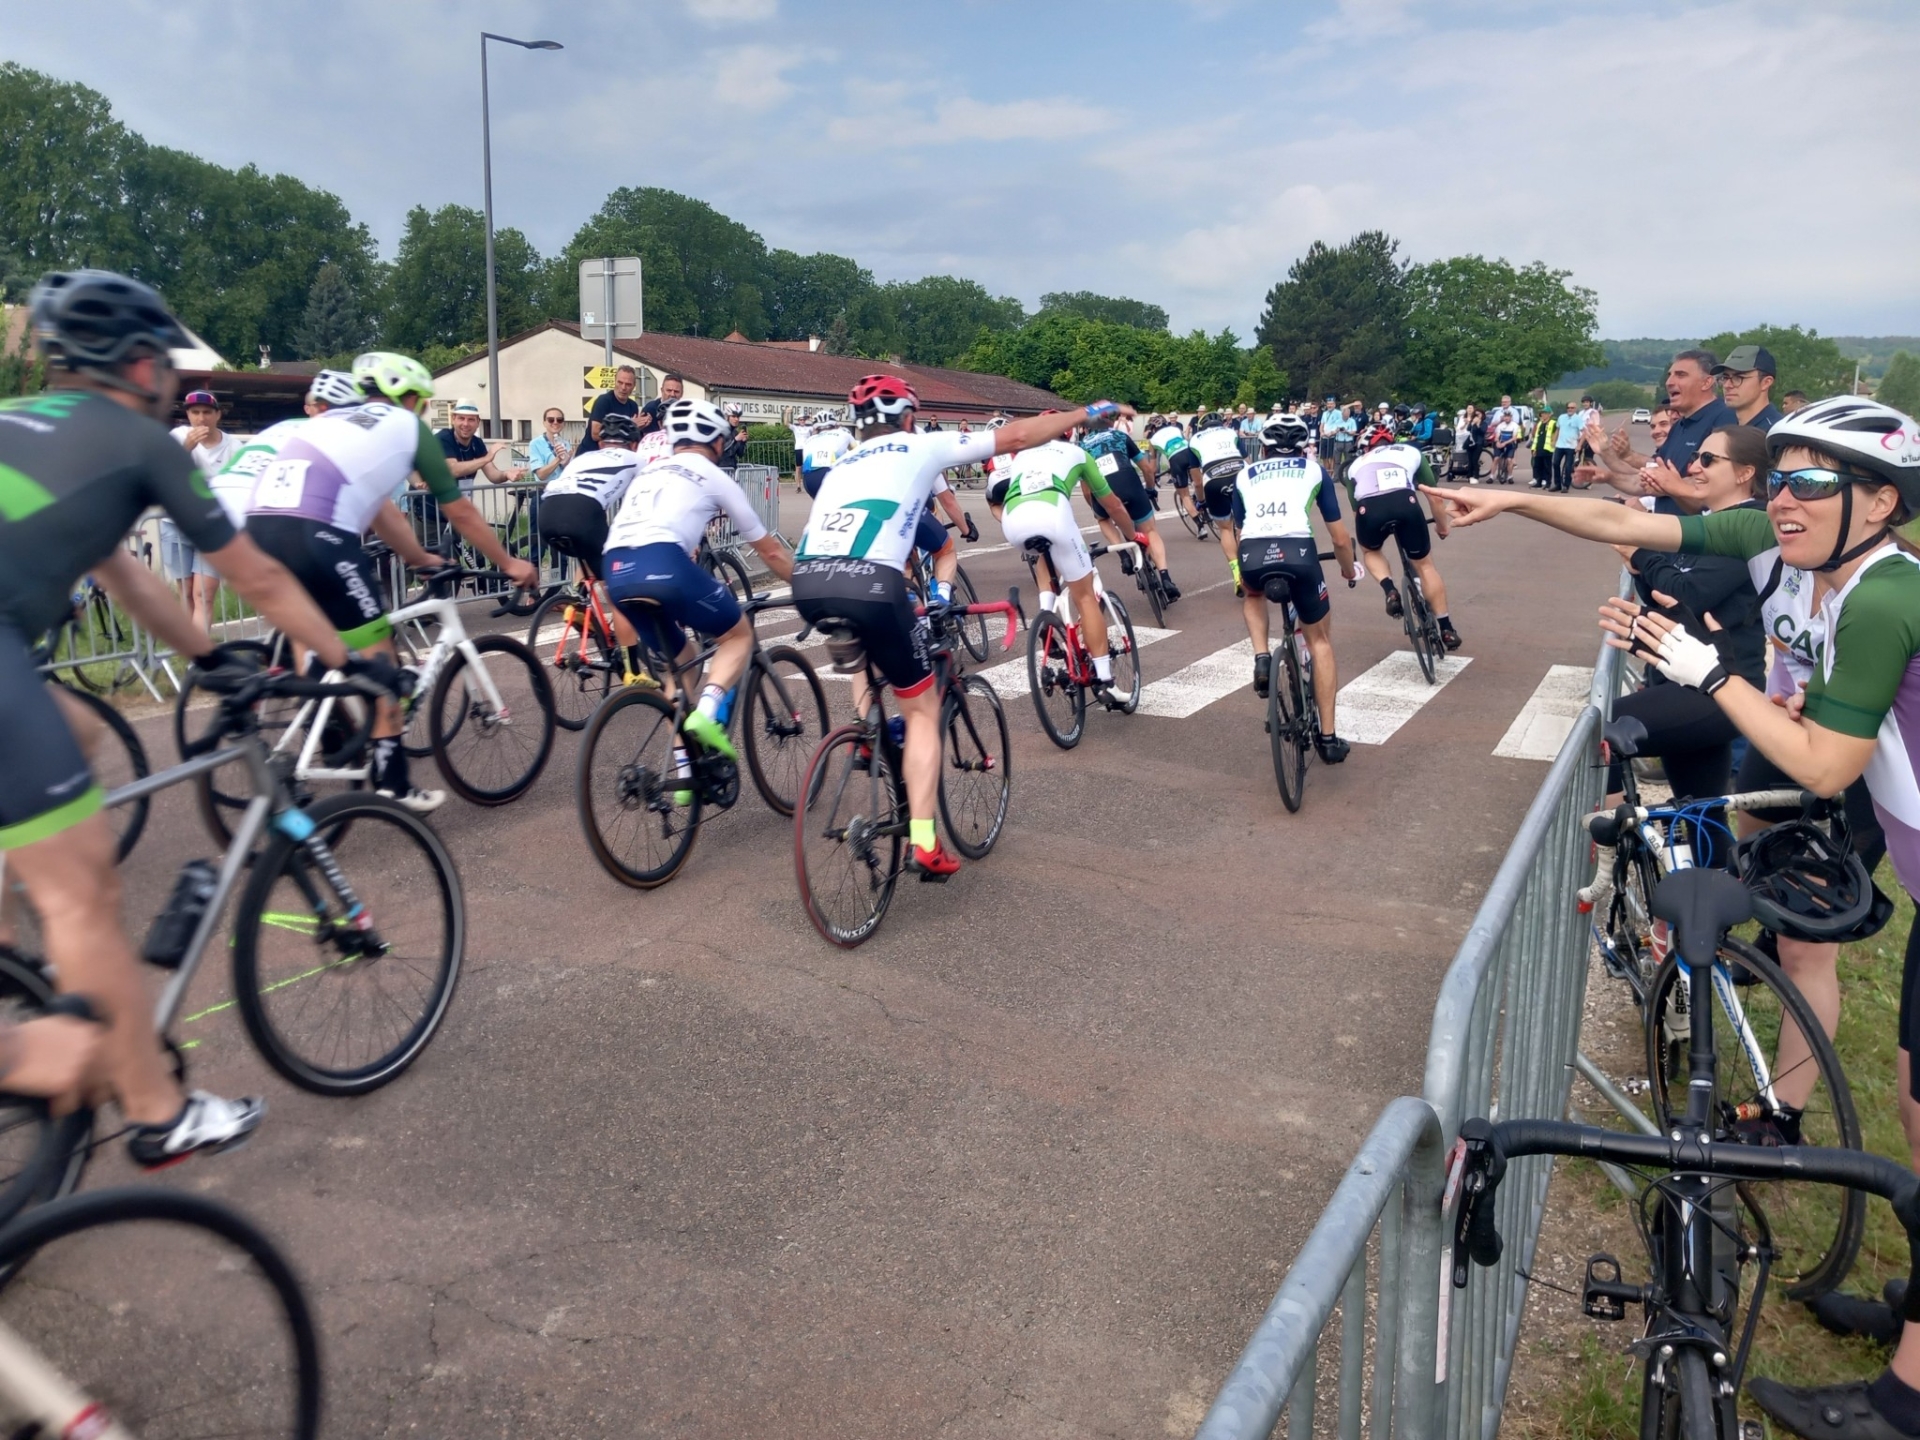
x,y
1030,1162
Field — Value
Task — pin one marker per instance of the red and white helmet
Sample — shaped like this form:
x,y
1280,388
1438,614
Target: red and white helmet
x,y
881,397
1376,436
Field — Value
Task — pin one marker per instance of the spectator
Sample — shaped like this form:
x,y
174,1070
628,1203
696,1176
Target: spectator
x,y
1793,400
1472,442
618,400
467,454
551,450
1540,447
1503,431
1566,447
672,388
1697,409
212,448
1422,426
735,449
1746,383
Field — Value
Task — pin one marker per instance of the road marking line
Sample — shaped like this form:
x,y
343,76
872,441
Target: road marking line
x,y
1376,703
1192,688
1545,721
1010,679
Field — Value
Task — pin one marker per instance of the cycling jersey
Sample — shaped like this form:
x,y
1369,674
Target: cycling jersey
x,y
1865,681
1391,467
601,475
871,500
1274,498
76,472
339,467
1050,472
822,449
672,501
1217,446
1168,440
1112,451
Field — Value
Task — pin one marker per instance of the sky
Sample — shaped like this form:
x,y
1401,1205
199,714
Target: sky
x,y
1700,166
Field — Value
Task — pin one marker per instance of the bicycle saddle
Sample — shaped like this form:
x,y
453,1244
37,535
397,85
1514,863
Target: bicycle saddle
x,y
1038,545
1624,736
1277,590
1701,905
849,656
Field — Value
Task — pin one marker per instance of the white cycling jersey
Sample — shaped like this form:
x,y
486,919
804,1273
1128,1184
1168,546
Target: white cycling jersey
x,y
603,474
672,501
1217,443
822,449
871,500
1382,471
1169,440
338,467
1278,495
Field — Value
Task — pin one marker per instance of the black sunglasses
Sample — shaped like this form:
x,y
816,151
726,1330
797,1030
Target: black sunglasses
x,y
556,419
1813,483
1704,458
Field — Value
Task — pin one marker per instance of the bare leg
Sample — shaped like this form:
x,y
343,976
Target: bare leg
x,y
1326,683
1814,970
1435,587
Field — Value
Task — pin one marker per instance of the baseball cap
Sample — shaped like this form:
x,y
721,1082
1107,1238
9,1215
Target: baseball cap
x,y
466,407
200,397
1747,357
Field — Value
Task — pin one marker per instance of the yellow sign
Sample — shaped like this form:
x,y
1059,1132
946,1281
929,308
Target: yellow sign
x,y
586,406
598,377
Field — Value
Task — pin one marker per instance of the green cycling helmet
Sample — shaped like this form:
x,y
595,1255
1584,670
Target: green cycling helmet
x,y
382,372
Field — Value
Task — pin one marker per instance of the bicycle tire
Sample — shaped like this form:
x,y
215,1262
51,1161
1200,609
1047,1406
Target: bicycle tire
x,y
1195,528
1285,724
625,778
848,882
1156,595
1816,1237
41,1154
1628,917
780,739
727,569
1050,681
272,994
1415,619
412,645
123,759
972,628
577,654
520,749
49,1224
976,766
1125,656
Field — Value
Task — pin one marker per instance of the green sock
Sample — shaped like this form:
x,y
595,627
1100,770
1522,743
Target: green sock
x,y
921,833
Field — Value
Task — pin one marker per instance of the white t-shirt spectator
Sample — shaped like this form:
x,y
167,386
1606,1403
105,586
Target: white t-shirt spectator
x,y
211,459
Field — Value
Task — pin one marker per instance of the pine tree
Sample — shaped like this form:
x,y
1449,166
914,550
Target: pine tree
x,y
334,323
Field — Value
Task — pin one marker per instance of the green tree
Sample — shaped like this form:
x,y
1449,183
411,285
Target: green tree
x,y
1338,323
436,292
1620,394
1032,354
21,369
334,323
1114,308
1478,329
1803,359
703,273
1261,381
806,294
929,321
60,157
1900,386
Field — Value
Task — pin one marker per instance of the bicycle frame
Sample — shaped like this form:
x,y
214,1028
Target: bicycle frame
x,y
1058,601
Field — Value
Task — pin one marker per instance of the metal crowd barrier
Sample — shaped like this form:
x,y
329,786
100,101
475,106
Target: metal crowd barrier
x,y
1504,1041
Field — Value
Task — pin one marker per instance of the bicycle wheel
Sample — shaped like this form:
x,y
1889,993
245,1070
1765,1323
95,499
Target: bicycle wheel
x,y
1062,704
1417,621
1287,723
1126,655
577,654
783,719
639,813
1156,594
341,992
976,776
41,1156
1195,527
1816,1228
972,628
849,835
174,1315
725,567
1629,922
118,760
490,755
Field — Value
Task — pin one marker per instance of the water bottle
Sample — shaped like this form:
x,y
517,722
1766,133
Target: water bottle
x,y
173,928
897,729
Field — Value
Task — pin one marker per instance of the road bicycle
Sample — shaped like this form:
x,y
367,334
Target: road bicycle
x,y
485,702
1417,619
154,1313
1198,522
572,636
117,758
642,787
1707,1213
1756,1001
93,627
850,836
970,624
721,557
1059,667
1293,711
1135,561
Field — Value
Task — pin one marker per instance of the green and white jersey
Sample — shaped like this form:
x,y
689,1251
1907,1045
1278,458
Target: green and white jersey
x,y
1168,440
872,498
1050,472
1274,498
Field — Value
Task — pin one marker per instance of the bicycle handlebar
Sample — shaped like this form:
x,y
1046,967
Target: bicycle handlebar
x,y
1009,607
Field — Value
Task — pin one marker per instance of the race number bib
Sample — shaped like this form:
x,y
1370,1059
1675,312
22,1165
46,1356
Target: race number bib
x,y
1109,464
1391,477
281,485
1036,482
848,531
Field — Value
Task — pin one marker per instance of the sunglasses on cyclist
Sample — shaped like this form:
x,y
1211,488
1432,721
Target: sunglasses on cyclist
x,y
1814,483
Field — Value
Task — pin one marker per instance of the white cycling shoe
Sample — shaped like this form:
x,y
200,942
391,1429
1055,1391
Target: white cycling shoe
x,y
205,1123
420,802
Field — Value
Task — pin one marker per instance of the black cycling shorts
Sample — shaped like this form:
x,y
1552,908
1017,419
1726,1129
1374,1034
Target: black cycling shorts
x,y
45,783
1219,488
1295,561
1910,1010
874,602
1398,513
1757,772
334,569
929,534
1181,468
1127,486
576,525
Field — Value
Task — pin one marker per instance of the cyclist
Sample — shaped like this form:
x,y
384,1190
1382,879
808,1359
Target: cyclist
x,y
651,575
1115,452
1036,502
854,552
330,388
1216,448
933,542
1173,457
316,487
1385,503
1273,503
821,442
83,462
575,511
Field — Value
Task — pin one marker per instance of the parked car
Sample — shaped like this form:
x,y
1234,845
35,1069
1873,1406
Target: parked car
x,y
1643,416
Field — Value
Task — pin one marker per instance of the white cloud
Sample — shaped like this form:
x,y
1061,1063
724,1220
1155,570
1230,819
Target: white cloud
x,y
964,118
731,12
751,77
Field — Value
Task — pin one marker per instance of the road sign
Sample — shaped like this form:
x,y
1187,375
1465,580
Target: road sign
x,y
598,377
610,300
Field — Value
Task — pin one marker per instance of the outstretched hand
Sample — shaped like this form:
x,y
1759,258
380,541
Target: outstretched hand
x,y
1465,507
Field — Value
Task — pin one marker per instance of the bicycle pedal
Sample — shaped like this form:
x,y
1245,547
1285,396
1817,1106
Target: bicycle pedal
x,y
927,877
1604,1296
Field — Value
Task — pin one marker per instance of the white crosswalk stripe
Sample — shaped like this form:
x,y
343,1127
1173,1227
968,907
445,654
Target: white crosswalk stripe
x,y
1545,721
1377,702
1192,688
1010,678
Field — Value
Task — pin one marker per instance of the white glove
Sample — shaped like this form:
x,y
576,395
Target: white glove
x,y
1359,574
1683,659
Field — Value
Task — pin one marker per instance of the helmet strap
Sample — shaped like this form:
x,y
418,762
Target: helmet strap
x,y
1842,552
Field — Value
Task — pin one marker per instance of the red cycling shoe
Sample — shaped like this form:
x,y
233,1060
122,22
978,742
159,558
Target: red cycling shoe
x,y
935,864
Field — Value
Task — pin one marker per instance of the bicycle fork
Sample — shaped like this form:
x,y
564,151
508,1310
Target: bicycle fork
x,y
298,826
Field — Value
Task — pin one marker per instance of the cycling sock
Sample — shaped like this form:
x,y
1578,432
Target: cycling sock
x,y
1387,584
390,766
1897,1402
682,767
1445,622
1103,667
710,699
921,833
635,664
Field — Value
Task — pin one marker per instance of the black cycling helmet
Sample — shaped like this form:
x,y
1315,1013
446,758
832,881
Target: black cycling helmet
x,y
1403,427
618,429
1209,420
97,320
1402,410
1808,885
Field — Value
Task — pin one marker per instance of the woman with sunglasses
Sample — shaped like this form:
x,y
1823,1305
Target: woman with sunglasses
x,y
551,450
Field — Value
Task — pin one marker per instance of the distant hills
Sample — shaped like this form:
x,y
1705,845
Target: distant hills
x,y
1644,361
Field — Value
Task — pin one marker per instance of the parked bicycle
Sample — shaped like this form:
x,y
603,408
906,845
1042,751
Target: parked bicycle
x,y
1060,671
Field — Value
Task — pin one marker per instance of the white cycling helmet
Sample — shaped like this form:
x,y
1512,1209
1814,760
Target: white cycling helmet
x,y
1285,433
334,388
1863,433
825,417
694,422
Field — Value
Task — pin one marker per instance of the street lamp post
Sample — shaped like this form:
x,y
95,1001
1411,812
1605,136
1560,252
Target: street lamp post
x,y
486,157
